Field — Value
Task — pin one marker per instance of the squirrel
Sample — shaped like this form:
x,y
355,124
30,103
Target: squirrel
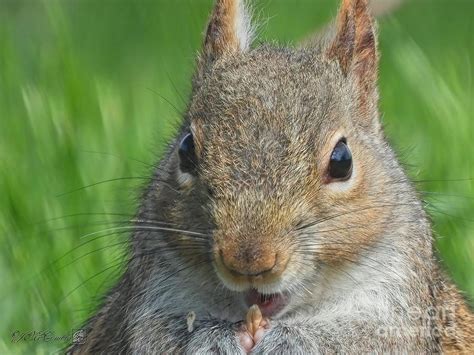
x,y
280,220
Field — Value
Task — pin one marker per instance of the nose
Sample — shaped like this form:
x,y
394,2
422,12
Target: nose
x,y
249,262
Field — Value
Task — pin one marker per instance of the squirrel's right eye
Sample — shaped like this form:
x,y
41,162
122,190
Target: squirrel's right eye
x,y
340,165
187,155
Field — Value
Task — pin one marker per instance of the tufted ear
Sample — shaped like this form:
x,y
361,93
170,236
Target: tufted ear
x,y
355,44
229,32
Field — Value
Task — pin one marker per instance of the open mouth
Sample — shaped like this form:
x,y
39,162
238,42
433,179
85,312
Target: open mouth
x,y
269,304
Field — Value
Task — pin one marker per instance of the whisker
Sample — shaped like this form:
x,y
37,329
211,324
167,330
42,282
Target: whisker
x,y
116,265
87,214
438,210
117,156
154,179
441,180
178,111
188,247
312,233
447,195
103,182
145,228
325,219
183,101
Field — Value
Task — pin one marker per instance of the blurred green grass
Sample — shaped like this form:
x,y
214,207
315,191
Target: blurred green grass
x,y
91,90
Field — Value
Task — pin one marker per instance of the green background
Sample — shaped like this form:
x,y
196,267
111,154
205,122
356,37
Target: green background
x,y
91,91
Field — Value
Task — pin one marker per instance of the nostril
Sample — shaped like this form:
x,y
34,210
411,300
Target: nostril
x,y
242,265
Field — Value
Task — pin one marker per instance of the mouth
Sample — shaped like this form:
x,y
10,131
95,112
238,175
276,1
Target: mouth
x,y
269,304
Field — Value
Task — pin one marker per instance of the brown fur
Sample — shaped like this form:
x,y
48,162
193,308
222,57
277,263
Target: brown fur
x,y
221,37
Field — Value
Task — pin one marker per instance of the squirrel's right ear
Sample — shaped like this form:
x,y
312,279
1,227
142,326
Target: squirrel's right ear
x,y
229,31
355,44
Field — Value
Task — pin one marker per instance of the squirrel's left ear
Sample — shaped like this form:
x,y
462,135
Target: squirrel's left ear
x,y
355,45
229,30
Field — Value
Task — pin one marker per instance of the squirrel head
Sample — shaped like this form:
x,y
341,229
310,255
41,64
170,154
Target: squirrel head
x,y
282,158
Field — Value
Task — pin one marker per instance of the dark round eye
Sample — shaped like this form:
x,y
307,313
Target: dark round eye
x,y
340,165
187,155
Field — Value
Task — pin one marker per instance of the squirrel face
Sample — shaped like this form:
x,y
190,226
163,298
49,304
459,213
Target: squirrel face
x,y
284,153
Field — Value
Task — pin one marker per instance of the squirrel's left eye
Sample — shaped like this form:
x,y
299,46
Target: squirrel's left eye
x,y
187,155
340,165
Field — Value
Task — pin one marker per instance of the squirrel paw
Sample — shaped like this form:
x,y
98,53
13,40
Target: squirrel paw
x,y
252,331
